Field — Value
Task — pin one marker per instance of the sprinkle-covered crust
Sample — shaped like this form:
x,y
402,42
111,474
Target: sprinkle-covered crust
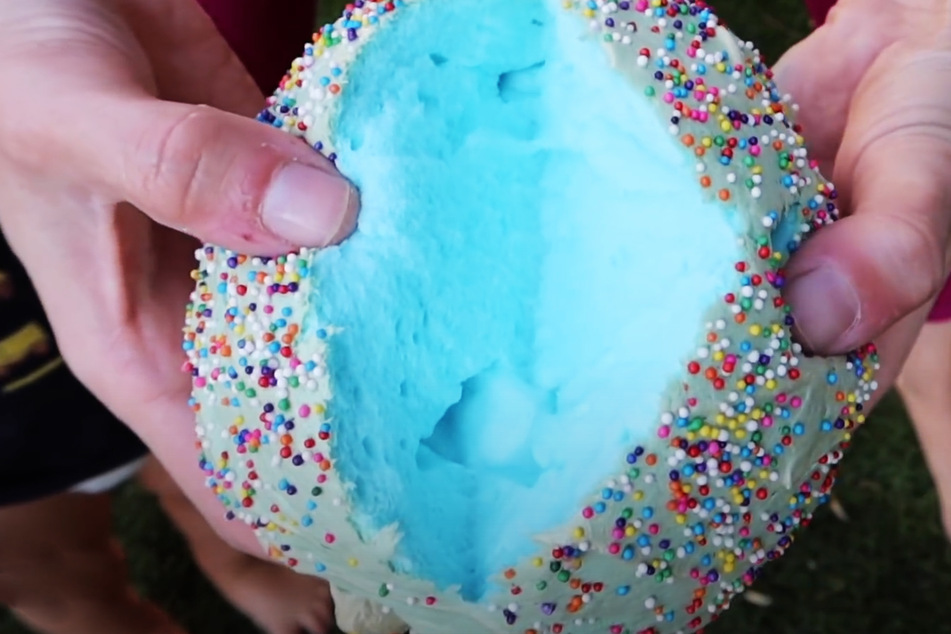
x,y
746,441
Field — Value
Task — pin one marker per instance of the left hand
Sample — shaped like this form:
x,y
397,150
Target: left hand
x,y
98,113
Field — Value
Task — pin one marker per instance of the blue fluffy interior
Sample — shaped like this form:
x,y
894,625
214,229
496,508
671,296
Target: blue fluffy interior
x,y
532,265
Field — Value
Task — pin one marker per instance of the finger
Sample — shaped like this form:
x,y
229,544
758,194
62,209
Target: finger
x,y
853,280
820,107
821,73
223,178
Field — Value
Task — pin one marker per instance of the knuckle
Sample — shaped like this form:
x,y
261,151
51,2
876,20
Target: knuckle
x,y
175,156
924,249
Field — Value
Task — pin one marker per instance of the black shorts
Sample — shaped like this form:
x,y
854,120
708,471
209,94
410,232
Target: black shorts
x,y
54,434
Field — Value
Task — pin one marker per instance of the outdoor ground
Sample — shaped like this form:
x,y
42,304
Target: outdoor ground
x,y
884,571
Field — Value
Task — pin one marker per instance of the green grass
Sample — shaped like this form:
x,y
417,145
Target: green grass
x,y
884,571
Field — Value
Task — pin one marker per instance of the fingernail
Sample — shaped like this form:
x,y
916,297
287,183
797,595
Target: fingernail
x,y
309,207
826,308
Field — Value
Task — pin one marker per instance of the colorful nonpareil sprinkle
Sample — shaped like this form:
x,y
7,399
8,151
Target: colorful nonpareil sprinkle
x,y
694,511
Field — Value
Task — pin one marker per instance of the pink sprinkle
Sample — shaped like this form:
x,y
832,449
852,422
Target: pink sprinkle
x,y
669,97
664,431
614,549
330,538
796,402
588,512
200,381
304,411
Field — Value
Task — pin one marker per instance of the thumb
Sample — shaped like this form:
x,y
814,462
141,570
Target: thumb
x,y
889,256
822,72
221,177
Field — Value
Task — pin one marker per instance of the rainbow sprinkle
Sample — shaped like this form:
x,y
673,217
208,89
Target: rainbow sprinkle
x,y
693,513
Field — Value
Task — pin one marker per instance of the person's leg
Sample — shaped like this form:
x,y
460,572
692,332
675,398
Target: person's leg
x,y
925,388
278,599
62,573
60,570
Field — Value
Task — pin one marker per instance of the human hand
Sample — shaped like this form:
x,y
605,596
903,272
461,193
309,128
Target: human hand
x,y
874,89
96,123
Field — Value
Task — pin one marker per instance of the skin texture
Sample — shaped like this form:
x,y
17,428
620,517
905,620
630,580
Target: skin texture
x,y
872,84
98,96
117,132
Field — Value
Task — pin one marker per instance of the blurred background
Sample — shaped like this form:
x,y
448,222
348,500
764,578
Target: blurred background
x,y
874,562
